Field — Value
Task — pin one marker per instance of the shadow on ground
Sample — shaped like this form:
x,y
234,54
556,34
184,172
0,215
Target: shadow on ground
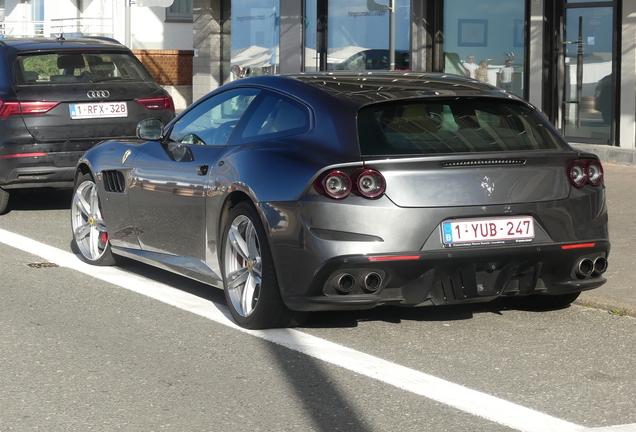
x,y
40,199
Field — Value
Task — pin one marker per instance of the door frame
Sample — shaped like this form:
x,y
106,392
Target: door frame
x,y
555,43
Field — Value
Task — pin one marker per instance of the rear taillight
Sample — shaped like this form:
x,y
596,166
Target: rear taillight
x,y
582,172
594,173
336,184
369,183
9,108
159,103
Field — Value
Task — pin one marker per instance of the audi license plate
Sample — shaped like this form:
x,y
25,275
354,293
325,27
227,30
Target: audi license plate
x,y
98,109
488,231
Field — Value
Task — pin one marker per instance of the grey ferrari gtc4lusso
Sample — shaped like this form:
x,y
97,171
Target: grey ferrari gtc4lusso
x,y
313,192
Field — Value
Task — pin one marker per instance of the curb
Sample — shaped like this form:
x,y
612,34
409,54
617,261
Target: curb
x,y
612,307
609,154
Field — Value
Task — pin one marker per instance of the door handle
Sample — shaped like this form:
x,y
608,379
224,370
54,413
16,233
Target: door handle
x,y
202,170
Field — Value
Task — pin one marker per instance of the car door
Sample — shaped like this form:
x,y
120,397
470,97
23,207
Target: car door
x,y
171,178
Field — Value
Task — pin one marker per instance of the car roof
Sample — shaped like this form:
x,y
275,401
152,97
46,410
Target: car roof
x,y
44,44
363,88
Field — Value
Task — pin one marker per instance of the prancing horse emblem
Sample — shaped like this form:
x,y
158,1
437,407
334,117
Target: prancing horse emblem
x,y
123,159
488,186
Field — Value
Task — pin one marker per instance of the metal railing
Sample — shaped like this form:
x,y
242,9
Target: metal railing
x,y
70,27
21,29
77,27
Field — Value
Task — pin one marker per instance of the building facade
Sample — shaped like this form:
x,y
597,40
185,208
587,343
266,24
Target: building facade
x,y
573,59
160,37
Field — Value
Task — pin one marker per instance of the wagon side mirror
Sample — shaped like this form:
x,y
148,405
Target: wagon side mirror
x,y
150,130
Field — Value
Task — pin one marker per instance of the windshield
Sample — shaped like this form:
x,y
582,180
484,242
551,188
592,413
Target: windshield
x,y
77,67
458,125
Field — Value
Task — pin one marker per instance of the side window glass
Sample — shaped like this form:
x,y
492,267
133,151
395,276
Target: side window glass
x,y
213,121
276,116
355,62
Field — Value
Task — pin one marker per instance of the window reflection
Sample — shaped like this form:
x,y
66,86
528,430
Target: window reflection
x,y
485,40
588,114
255,36
359,34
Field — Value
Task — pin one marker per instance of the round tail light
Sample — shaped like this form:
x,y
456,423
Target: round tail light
x,y
594,173
577,174
370,183
586,171
334,184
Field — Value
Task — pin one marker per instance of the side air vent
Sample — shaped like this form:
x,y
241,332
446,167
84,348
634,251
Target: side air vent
x,y
114,181
483,162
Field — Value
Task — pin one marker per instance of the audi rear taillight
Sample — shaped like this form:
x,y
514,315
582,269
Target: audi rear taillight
x,y
159,103
582,172
10,108
336,184
22,155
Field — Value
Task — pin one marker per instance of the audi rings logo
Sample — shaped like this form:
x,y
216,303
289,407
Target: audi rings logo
x,y
98,94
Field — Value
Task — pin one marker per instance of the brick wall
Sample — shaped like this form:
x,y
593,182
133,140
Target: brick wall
x,y
168,67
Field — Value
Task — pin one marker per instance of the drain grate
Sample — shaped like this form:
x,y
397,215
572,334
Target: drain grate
x,y
42,265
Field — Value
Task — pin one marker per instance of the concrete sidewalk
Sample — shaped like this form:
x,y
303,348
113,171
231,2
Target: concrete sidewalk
x,y
618,295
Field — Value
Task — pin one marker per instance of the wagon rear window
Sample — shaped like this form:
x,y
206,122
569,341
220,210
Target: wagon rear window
x,y
458,125
77,67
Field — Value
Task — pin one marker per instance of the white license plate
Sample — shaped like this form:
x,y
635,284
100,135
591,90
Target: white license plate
x,y
98,109
488,231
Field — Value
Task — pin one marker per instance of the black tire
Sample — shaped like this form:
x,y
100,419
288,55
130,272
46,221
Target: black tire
x,y
545,302
90,237
4,200
250,283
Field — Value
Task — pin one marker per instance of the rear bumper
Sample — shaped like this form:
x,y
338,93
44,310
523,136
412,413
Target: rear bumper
x,y
452,276
40,165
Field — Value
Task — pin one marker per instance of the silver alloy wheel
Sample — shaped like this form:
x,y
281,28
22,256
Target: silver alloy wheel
x,y
87,222
243,265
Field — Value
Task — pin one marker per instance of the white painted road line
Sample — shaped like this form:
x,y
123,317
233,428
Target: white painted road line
x,y
471,401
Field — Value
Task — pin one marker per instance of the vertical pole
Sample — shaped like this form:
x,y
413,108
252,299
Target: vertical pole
x,y
579,73
392,35
321,30
127,38
303,28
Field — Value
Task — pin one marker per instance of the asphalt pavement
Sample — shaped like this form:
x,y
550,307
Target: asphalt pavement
x,y
618,295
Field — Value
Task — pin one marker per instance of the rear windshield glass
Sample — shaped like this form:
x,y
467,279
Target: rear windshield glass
x,y
452,126
77,67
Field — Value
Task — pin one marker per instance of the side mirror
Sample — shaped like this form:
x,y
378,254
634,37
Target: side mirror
x,y
150,130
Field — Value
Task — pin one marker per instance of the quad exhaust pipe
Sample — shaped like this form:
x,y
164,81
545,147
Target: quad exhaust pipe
x,y
371,282
600,266
344,283
587,267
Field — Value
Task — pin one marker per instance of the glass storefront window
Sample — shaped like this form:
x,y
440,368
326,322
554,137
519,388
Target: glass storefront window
x,y
359,35
588,96
255,35
485,39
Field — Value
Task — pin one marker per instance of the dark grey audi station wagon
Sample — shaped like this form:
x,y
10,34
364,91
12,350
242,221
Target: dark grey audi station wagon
x,y
59,97
326,191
